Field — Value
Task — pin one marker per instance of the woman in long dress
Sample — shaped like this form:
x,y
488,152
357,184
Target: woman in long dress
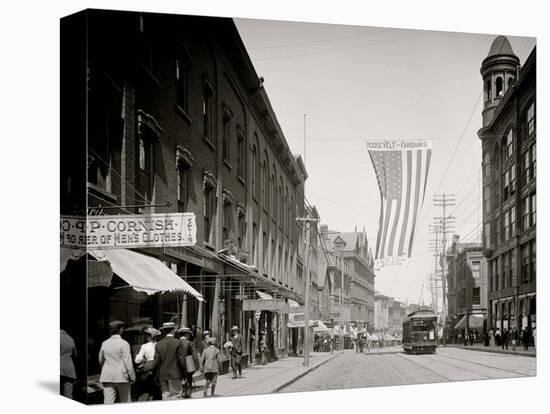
x,y
491,338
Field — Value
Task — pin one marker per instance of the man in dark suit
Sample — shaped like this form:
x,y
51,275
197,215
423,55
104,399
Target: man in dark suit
x,y
170,361
239,346
188,350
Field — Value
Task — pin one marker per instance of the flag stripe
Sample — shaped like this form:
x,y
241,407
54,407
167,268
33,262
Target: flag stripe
x,y
416,197
407,203
386,222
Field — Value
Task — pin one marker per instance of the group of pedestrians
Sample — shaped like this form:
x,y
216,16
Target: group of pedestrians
x,y
165,364
504,338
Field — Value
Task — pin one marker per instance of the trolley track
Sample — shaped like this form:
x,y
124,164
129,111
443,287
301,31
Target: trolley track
x,y
484,365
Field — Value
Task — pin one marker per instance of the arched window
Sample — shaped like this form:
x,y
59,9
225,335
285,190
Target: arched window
x,y
499,87
510,143
486,166
274,205
254,172
510,81
265,187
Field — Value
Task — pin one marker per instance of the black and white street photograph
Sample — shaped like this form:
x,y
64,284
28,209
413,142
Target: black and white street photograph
x,y
259,206
274,207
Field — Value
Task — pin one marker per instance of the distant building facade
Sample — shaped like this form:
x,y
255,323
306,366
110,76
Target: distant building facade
x,y
359,273
466,286
508,138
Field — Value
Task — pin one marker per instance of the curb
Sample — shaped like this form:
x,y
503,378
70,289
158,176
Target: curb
x,y
293,380
494,351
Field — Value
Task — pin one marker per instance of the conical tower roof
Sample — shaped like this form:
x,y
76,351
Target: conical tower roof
x,y
501,46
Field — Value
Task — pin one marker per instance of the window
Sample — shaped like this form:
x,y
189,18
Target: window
x,y
227,224
499,87
226,136
525,263
241,155
531,120
507,225
476,296
255,259
208,113
533,210
145,163
105,131
513,221
242,227
513,272
209,209
510,143
281,203
533,151
264,252
255,174
526,213
265,187
534,260
526,164
182,190
182,90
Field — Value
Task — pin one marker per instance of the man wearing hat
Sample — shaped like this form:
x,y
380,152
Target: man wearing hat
x,y
117,370
145,360
191,363
239,346
211,362
170,361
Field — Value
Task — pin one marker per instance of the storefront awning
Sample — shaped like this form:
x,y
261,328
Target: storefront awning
x,y
144,273
321,328
475,322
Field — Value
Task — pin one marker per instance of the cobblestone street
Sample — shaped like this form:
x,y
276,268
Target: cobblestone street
x,y
351,370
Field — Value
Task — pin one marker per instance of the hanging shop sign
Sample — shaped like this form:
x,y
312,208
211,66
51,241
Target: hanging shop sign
x,y
128,231
100,274
272,305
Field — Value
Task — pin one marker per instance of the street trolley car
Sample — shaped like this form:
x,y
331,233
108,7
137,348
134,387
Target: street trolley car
x,y
419,332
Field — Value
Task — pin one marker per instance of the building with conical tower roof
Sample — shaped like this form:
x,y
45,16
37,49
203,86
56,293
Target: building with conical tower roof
x,y
508,138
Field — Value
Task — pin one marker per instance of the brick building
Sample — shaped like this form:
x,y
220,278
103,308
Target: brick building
x,y
466,287
359,273
179,120
508,138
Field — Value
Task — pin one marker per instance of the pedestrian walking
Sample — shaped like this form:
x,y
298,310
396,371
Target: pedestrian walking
x,y
67,359
211,362
170,360
147,380
191,360
498,337
504,339
535,338
239,346
263,349
117,369
491,338
515,338
525,339
485,338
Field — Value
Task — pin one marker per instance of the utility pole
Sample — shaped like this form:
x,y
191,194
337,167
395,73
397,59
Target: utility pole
x,y
342,303
444,201
307,220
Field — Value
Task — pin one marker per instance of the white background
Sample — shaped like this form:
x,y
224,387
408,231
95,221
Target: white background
x,y
29,99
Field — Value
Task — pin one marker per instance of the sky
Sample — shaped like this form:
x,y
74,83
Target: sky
x,y
358,83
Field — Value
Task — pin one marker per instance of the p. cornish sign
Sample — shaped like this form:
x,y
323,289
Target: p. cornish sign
x,y
128,231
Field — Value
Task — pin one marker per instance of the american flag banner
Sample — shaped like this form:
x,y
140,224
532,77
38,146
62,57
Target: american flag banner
x,y
402,172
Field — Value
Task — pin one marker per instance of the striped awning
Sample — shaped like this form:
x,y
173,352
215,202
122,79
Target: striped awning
x,y
297,320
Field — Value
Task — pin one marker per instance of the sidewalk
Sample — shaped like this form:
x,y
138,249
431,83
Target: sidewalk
x,y
531,352
266,379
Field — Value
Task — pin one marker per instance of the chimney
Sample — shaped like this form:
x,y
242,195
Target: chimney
x,y
324,231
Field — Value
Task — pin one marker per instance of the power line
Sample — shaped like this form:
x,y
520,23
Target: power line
x,y
334,39
344,48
